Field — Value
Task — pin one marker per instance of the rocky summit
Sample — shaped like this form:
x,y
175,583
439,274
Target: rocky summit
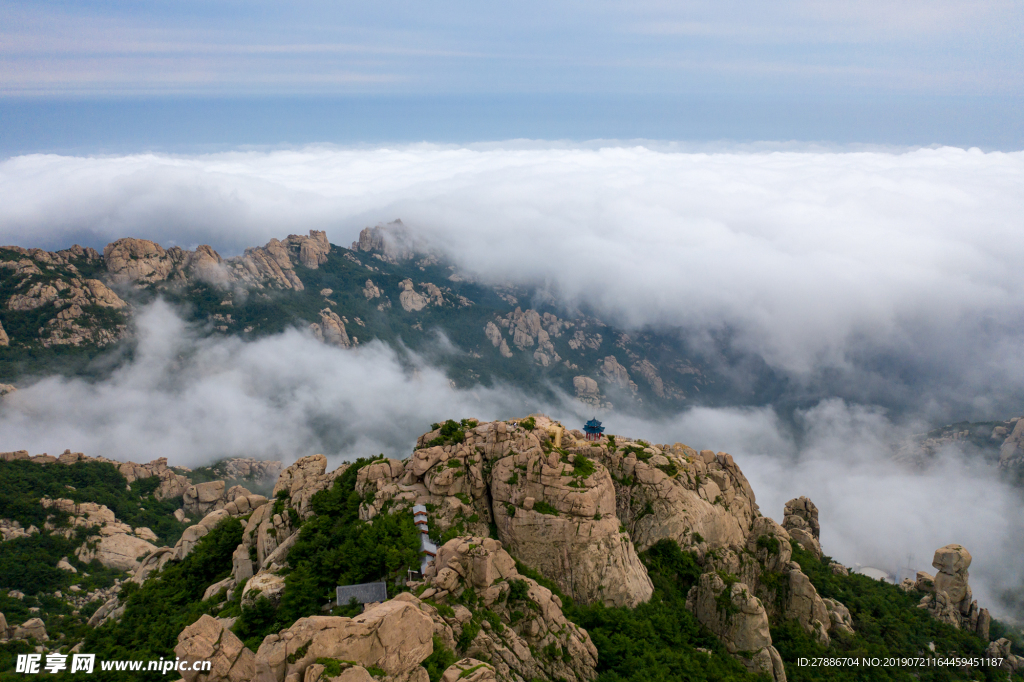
x,y
512,550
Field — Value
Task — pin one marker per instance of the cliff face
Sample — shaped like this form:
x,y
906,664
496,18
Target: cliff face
x,y
554,512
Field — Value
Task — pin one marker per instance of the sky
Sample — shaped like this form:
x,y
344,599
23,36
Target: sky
x,y
118,76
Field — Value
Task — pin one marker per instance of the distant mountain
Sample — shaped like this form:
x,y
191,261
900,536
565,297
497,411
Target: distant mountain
x,y
61,310
998,443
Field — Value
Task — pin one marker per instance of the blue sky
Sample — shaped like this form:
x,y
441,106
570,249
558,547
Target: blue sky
x,y
620,69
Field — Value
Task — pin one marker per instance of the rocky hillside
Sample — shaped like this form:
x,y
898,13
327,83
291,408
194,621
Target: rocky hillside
x,y
554,558
60,309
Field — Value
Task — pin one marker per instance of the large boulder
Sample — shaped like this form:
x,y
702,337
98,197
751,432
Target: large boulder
x,y
740,622
152,563
331,329
395,636
138,261
1003,648
34,628
194,533
263,585
839,615
529,616
949,599
121,552
801,520
805,606
952,562
303,479
202,498
208,640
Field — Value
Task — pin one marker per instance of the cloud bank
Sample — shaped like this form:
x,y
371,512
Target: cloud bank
x,y
883,277
194,399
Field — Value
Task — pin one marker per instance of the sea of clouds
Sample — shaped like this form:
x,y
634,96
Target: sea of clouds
x,y
869,279
892,277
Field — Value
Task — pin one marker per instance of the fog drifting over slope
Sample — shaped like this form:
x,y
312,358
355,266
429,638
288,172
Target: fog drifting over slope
x,y
195,400
882,277
879,277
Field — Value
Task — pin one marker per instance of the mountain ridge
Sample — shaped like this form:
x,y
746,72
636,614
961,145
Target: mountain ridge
x,y
526,514
382,288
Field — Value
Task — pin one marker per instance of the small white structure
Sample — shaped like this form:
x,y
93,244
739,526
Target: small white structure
x,y
876,573
428,549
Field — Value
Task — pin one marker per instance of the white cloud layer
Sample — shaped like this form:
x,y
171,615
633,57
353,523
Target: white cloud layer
x,y
845,264
195,400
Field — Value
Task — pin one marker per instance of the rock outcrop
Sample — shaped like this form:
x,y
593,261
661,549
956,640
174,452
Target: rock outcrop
x,y
172,484
370,290
950,594
557,514
554,509
1002,648
783,588
10,530
414,301
331,329
839,615
589,393
391,243
271,530
530,615
676,493
257,470
616,374
650,374
116,545
121,552
1011,452
53,281
140,262
801,520
395,636
33,628
738,618
203,498
208,640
